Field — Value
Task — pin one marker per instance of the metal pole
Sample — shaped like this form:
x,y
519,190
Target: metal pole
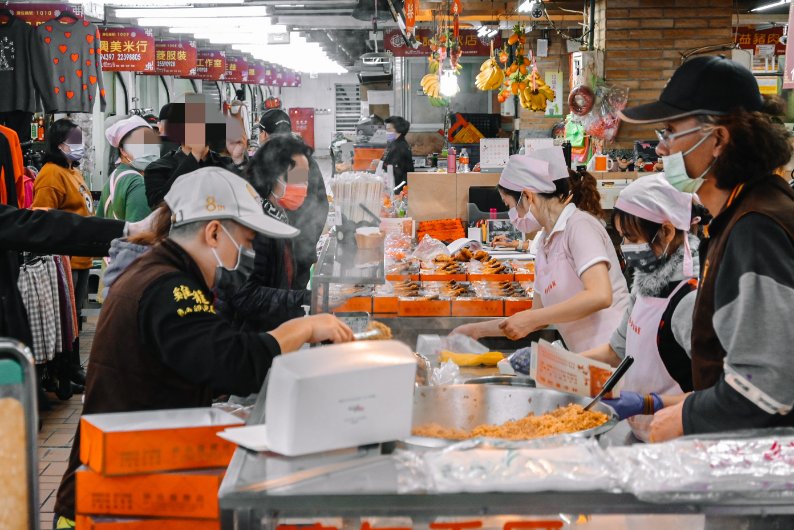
x,y
592,25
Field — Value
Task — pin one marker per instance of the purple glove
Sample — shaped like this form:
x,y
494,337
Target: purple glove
x,y
632,404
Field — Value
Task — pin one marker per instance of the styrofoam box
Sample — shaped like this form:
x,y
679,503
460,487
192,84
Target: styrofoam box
x,y
339,396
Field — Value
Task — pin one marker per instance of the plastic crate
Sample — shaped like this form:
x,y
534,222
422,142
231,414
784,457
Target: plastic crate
x,y
488,124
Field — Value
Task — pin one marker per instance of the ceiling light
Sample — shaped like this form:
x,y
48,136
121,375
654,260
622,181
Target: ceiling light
x,y
195,12
770,6
238,22
449,84
482,31
159,3
492,33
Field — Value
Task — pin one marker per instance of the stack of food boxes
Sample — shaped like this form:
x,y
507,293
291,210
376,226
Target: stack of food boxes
x,y
152,470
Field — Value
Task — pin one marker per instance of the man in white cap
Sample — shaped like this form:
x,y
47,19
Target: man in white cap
x,y
124,194
159,343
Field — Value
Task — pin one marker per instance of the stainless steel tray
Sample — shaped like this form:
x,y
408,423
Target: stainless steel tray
x,y
467,406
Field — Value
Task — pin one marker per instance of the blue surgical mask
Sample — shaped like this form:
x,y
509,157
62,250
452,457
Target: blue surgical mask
x,y
675,170
391,136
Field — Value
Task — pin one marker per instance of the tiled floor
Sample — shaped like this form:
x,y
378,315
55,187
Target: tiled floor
x,y
56,436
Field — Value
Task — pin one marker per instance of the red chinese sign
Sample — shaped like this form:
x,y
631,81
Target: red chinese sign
x,y
788,71
292,79
256,73
749,38
174,57
127,49
471,44
303,123
210,65
410,16
236,70
38,14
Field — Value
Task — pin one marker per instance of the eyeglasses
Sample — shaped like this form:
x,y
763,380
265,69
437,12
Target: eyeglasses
x,y
665,136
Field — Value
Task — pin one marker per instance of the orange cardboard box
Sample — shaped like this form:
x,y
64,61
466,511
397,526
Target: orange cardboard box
x,y
477,308
355,304
384,304
516,306
525,276
491,277
90,522
186,494
129,443
423,308
434,277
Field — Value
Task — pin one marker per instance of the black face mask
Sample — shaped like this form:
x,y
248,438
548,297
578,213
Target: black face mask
x,y
231,280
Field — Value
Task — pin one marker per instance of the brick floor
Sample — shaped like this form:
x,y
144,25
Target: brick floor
x,y
56,436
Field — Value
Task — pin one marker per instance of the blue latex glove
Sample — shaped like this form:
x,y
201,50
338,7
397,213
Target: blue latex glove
x,y
520,360
631,404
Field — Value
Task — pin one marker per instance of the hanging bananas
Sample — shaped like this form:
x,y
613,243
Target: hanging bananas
x,y
536,94
431,85
491,76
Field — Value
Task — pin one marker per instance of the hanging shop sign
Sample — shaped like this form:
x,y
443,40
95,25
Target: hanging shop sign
x,y
410,16
127,49
210,65
788,71
256,73
302,119
279,79
175,57
270,75
759,40
236,69
38,14
470,43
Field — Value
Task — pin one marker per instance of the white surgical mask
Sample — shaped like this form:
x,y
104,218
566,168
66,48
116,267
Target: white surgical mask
x,y
142,154
675,170
76,152
526,224
239,252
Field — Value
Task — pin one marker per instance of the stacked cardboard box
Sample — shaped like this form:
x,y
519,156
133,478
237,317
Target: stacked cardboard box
x,y
152,469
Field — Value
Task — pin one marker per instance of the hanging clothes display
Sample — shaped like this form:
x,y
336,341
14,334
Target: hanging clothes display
x,y
18,164
25,74
73,50
7,179
38,285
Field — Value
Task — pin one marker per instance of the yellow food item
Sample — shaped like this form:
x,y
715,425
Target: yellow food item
x,y
568,419
472,359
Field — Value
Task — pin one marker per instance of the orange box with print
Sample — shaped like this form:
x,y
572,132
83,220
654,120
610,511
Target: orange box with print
x,y
423,308
357,303
127,443
185,494
477,308
513,306
90,522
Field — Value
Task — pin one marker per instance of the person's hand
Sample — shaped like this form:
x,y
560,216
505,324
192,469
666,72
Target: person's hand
x,y
327,327
668,423
632,404
470,330
520,325
199,152
502,241
143,226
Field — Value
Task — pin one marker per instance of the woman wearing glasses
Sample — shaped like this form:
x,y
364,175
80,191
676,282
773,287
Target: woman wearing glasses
x,y
720,141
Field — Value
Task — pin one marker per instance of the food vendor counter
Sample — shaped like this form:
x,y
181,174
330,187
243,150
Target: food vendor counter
x,y
443,195
260,490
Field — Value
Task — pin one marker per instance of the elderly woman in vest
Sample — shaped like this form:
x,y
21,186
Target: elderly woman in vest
x,y
719,140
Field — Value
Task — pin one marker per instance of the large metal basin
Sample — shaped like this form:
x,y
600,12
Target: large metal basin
x,y
467,406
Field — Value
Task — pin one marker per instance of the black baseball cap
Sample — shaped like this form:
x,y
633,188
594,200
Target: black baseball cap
x,y
702,85
275,121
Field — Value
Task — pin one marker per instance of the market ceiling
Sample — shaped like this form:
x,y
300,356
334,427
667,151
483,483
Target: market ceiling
x,y
324,33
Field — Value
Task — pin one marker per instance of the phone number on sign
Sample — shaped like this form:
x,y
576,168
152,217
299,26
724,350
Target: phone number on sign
x,y
110,57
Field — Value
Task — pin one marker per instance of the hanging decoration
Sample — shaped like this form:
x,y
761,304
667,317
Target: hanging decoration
x,y
410,17
491,75
522,77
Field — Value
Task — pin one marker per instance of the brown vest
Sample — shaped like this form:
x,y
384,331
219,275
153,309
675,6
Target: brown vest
x,y
124,374
771,197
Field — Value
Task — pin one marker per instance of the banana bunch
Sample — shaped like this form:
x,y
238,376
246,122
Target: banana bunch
x,y
535,99
491,76
431,85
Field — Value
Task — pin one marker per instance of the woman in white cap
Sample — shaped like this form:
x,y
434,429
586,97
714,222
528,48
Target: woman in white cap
x,y
579,286
124,195
654,219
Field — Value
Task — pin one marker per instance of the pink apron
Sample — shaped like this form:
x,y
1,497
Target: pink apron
x,y
648,373
557,281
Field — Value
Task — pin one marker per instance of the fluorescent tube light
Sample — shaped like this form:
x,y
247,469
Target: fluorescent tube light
x,y
770,6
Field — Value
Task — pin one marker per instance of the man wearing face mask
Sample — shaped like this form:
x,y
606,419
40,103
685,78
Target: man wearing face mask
x,y
398,153
579,286
271,295
124,195
159,343
720,140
